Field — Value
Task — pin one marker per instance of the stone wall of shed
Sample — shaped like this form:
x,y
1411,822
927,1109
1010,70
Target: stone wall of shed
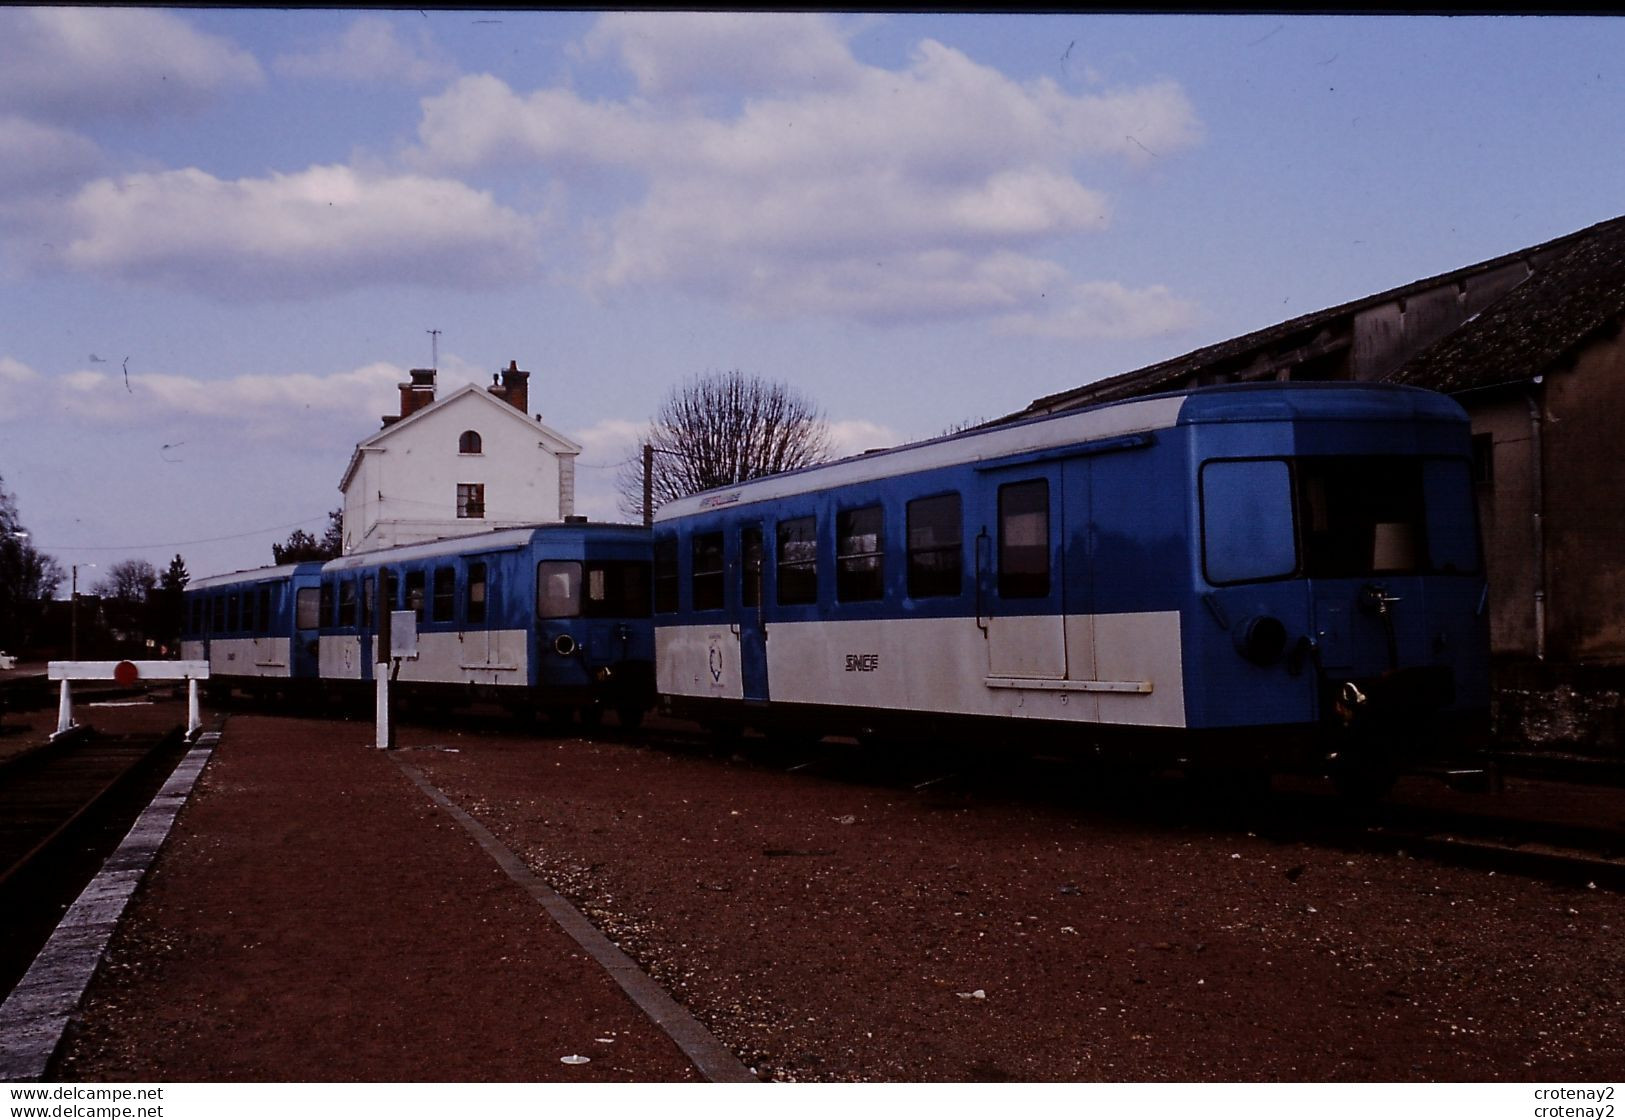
x,y
1584,439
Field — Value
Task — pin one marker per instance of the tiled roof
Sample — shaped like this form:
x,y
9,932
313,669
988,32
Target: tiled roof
x,y
1577,287
1575,293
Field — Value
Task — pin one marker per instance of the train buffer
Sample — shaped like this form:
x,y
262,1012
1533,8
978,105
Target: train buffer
x,y
127,673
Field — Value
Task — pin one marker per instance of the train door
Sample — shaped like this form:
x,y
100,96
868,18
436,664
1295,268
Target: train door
x,y
307,615
752,626
476,641
1020,587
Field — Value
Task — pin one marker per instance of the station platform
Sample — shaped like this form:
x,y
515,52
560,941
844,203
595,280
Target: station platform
x,y
320,912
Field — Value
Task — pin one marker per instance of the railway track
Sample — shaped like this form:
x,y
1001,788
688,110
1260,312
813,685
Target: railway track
x,y
63,808
1488,831
1582,843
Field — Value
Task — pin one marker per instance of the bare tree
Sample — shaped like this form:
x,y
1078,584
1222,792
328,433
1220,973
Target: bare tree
x,y
718,430
28,578
129,581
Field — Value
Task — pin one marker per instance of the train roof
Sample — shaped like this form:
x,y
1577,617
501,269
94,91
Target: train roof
x,y
249,575
1119,419
493,540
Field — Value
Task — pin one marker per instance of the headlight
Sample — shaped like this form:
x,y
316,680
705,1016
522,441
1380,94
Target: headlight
x,y
564,645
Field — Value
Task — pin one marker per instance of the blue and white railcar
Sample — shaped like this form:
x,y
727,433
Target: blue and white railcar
x,y
552,617
1253,575
256,629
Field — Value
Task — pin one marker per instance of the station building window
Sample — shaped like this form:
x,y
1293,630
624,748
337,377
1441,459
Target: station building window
x,y
471,499
469,443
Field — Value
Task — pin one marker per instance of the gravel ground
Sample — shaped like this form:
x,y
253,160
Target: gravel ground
x,y
837,930
834,923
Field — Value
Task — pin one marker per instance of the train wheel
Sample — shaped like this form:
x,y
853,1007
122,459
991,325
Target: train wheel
x,y
591,715
630,716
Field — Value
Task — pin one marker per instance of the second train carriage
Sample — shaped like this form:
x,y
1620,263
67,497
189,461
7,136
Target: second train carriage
x,y
1284,575
551,617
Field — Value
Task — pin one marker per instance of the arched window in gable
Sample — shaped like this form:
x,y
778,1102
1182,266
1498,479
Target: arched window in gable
x,y
469,443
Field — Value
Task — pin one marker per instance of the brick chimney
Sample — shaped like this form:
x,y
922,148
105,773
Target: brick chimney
x,y
416,393
516,387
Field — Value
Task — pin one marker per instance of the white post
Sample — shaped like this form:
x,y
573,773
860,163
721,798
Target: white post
x,y
64,710
194,718
381,671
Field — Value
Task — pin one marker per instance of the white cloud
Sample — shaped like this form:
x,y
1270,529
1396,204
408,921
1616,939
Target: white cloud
x,y
37,157
854,437
80,63
370,50
322,410
320,230
889,194
1105,310
679,54
19,389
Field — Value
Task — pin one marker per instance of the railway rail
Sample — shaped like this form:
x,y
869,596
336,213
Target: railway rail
x,y
1558,830
63,808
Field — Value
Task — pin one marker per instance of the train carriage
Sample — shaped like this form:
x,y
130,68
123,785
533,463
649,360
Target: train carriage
x,y
1283,575
549,617
255,628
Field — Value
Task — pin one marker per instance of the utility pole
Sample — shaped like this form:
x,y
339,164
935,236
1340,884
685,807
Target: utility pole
x,y
648,485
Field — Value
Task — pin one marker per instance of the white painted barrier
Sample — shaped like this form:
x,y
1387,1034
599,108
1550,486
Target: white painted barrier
x,y
127,673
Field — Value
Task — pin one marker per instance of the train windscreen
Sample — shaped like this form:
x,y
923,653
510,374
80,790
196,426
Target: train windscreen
x,y
1337,517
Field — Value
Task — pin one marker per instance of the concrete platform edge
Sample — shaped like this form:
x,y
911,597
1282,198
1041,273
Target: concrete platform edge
x,y
715,1061
35,1016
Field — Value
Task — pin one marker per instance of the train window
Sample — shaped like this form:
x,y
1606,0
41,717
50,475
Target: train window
x,y
218,614
469,443
415,584
558,589
705,578
860,547
617,589
445,594
392,589
307,609
750,567
347,601
1247,521
665,586
935,555
327,603
474,607
233,611
1386,515
1024,556
369,600
798,561
1452,516
265,608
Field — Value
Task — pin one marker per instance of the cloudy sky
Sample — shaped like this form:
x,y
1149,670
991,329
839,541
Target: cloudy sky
x,y
226,234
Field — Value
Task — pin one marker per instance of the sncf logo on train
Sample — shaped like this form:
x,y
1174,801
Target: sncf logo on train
x,y
862,662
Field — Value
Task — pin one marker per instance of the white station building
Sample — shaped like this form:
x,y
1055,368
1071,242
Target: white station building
x,y
476,459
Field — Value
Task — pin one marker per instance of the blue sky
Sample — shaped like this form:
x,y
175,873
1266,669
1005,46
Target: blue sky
x,y
220,252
